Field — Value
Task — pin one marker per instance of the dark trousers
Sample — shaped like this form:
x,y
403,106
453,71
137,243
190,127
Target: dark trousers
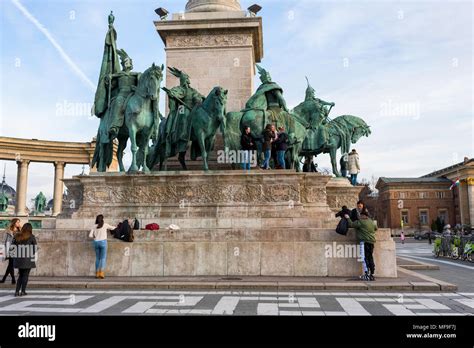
x,y
369,257
23,279
10,271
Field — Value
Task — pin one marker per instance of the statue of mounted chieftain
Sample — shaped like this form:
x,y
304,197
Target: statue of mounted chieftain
x,y
127,104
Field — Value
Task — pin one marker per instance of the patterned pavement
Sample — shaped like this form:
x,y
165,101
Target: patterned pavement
x,y
88,302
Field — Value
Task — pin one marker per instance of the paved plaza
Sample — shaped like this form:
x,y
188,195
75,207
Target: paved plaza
x,y
87,302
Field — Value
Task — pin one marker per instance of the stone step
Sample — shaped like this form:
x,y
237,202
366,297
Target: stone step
x,y
216,235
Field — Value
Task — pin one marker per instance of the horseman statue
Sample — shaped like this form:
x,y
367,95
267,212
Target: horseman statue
x,y
266,106
192,119
116,90
316,114
181,101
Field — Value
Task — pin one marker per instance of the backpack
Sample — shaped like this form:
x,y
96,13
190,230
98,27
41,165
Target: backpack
x,y
136,225
342,227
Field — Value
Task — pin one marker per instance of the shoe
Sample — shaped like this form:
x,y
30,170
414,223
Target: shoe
x,y
13,281
371,278
2,281
364,277
101,275
97,275
23,293
17,294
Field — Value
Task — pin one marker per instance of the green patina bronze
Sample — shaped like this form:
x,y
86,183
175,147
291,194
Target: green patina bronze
x,y
40,203
199,127
121,93
311,131
127,104
3,202
181,101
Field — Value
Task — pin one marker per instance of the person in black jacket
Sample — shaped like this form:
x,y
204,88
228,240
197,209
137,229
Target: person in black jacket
x,y
24,256
268,138
281,145
344,211
355,213
248,145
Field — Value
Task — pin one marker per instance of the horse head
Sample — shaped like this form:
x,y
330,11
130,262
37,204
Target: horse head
x,y
360,129
150,81
216,103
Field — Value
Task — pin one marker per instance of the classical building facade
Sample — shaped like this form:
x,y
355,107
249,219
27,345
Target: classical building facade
x,y
413,203
58,153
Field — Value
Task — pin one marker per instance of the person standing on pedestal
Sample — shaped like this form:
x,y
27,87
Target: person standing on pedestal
x,y
247,142
9,234
354,166
344,162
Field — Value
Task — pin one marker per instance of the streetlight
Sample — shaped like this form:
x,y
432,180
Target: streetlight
x,y
162,12
254,9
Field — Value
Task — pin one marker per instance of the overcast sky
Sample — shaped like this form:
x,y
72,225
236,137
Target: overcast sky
x,y
403,66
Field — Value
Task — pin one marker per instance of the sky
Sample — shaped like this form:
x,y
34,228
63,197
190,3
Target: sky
x,y
405,67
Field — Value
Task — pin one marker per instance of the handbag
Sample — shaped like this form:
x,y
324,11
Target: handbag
x,y
342,227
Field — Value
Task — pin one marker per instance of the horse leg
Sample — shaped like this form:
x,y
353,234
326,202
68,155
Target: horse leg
x,y
144,147
182,160
333,153
121,148
202,146
133,138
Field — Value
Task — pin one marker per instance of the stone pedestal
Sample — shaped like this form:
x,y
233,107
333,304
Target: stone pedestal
x,y
277,223
214,49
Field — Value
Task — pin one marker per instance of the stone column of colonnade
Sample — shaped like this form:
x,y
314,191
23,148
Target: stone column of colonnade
x,y
58,187
470,199
21,187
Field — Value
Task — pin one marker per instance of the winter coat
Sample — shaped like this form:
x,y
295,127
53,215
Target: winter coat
x,y
247,142
25,255
365,230
281,144
353,163
343,212
7,241
268,136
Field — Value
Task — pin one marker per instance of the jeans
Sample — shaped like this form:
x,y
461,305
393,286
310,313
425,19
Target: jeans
x,y
344,173
266,162
281,159
362,256
246,162
100,247
24,274
354,179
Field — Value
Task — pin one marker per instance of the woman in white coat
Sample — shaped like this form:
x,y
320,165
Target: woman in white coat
x,y
354,166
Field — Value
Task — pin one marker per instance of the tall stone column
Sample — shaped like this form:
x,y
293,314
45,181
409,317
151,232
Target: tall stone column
x,y
470,199
21,187
58,187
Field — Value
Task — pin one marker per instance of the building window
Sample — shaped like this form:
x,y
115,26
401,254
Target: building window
x,y
440,194
404,217
402,195
423,195
443,215
424,217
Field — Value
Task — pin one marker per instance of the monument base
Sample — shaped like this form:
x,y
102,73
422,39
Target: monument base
x,y
232,223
